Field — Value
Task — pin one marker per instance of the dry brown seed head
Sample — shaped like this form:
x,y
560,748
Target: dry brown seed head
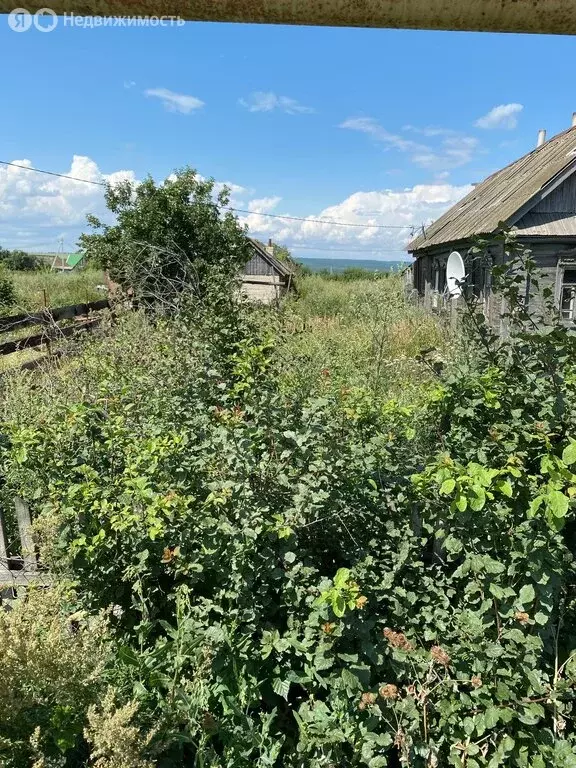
x,y
388,691
439,655
398,640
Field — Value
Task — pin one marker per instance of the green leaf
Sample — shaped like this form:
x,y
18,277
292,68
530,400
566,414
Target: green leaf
x,y
497,591
339,606
461,503
557,503
448,486
569,453
535,504
527,594
478,500
281,687
342,576
491,717
351,682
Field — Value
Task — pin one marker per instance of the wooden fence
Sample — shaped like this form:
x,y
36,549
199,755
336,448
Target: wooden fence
x,y
50,321
21,569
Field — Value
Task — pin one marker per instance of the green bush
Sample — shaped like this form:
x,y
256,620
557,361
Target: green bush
x,y
7,290
168,238
315,576
50,673
19,260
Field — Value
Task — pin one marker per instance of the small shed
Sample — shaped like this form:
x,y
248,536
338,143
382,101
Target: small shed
x,y
265,278
67,262
535,197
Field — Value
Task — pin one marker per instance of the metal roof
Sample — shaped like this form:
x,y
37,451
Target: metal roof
x,y
503,194
74,259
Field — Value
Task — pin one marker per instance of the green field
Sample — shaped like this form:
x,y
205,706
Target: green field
x,y
43,288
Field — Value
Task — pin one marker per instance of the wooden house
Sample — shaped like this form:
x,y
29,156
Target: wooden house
x,y
535,197
265,278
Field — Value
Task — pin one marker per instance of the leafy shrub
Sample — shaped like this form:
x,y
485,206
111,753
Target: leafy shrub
x,y
313,576
50,668
19,260
168,237
7,290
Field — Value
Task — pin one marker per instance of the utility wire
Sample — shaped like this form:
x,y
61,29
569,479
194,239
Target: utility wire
x,y
53,173
327,221
228,208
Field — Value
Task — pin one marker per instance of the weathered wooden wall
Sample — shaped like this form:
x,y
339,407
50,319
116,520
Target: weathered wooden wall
x,y
258,266
264,289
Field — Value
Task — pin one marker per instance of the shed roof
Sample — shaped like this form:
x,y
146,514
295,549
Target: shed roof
x,y
504,194
74,259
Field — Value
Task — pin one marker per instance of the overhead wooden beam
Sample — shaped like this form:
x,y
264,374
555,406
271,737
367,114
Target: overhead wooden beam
x,y
542,16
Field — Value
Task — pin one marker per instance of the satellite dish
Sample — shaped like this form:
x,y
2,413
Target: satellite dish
x,y
455,273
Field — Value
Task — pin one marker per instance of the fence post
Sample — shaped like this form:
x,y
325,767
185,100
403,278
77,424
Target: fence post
x,y
7,593
25,530
453,313
3,541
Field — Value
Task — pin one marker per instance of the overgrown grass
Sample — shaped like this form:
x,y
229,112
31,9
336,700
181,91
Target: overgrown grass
x,y
41,288
362,333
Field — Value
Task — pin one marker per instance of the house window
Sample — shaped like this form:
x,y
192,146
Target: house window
x,y
568,295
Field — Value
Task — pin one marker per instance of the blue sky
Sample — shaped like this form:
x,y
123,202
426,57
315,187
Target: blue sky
x,y
381,127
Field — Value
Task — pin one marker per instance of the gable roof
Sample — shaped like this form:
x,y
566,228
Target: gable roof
x,y
280,267
74,259
504,195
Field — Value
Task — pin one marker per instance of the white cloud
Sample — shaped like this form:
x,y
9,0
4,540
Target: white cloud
x,y
453,151
263,204
267,101
35,210
417,205
373,128
129,84
175,102
503,116
430,130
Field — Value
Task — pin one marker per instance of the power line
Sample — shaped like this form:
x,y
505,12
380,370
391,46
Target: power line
x,y
228,208
327,221
53,173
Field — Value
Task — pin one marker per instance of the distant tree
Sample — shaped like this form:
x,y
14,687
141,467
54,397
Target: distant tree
x,y
167,237
19,260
